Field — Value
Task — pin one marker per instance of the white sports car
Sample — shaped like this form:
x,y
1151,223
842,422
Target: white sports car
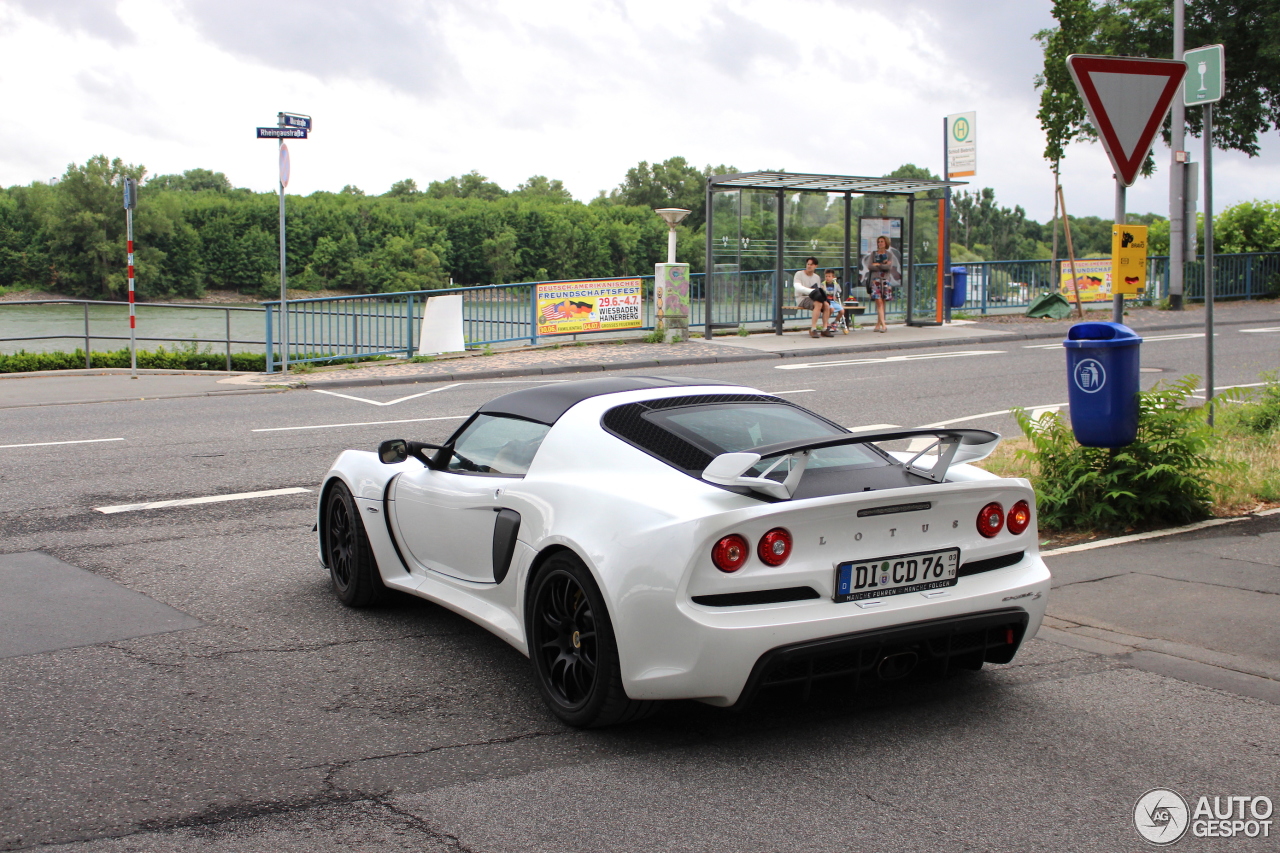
x,y
645,538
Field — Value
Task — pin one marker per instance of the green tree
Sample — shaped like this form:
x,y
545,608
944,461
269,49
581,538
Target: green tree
x,y
1249,30
408,188
192,180
540,188
671,183
87,232
1251,226
471,185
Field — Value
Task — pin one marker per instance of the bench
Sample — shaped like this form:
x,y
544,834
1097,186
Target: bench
x,y
852,308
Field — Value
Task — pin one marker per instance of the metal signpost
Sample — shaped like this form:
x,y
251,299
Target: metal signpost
x,y
1127,98
1206,78
959,160
130,202
290,126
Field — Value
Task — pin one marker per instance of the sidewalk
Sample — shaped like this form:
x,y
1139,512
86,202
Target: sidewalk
x,y
1199,606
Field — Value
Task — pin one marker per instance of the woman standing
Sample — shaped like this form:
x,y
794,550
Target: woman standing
x,y
884,270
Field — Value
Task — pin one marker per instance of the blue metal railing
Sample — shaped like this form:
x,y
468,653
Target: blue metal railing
x,y
345,327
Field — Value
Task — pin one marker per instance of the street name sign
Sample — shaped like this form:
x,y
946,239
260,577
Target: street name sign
x,y
1127,98
1206,75
294,120
282,133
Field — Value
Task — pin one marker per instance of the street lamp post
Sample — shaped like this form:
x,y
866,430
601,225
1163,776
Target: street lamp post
x,y
671,284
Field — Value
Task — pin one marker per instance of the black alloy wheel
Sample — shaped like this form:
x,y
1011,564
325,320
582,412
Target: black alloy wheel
x,y
352,569
572,645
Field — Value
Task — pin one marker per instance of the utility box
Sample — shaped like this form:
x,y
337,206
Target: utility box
x,y
1102,383
671,300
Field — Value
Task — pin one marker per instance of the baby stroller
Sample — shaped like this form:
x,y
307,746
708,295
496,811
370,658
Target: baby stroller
x,y
849,306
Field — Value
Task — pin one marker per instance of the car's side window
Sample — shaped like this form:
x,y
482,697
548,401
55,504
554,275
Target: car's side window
x,y
493,444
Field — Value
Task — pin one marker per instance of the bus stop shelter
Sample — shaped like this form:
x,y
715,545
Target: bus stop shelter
x,y
789,182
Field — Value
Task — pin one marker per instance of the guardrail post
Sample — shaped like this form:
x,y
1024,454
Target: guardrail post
x,y
1248,276
408,348
228,313
269,341
88,363
533,315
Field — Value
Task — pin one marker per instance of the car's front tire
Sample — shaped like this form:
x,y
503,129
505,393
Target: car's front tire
x,y
573,648
352,568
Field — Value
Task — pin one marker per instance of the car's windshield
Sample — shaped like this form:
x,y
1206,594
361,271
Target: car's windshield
x,y
492,444
741,426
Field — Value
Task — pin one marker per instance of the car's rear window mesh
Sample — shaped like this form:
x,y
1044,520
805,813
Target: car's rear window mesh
x,y
628,423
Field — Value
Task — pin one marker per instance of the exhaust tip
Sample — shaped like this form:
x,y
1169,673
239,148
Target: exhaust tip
x,y
895,666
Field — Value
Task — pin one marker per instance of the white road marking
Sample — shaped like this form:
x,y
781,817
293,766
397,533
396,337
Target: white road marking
x,y
1036,413
50,443
797,391
1146,340
873,428
111,510
1040,411
363,423
389,402
892,358
1273,329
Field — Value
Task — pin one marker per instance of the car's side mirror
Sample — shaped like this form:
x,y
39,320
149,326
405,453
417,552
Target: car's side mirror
x,y
393,451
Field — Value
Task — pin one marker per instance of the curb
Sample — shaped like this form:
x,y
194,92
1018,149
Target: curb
x,y
1157,534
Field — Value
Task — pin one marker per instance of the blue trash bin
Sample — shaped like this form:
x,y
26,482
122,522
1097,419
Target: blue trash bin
x,y
1102,383
959,286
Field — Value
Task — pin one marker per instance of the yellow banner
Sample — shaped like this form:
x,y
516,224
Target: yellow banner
x,y
567,307
1093,277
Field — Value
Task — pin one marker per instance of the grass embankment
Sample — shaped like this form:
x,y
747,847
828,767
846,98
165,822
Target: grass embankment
x,y
1179,470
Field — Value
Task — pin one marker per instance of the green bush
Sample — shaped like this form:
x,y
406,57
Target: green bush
x,y
1261,416
1162,478
160,359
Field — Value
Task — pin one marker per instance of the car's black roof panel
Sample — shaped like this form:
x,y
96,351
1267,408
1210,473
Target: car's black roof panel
x,y
546,403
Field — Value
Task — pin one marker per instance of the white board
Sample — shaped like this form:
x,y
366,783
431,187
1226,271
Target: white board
x,y
442,326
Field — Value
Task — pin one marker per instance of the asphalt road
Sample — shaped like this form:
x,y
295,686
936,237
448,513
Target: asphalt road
x,y
283,721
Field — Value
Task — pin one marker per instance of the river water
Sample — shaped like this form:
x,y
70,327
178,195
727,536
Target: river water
x,y
179,326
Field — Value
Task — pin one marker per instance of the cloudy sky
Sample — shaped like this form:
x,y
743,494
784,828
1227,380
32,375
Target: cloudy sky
x,y
578,90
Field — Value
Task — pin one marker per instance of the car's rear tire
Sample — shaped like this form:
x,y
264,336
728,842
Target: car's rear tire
x,y
573,648
352,568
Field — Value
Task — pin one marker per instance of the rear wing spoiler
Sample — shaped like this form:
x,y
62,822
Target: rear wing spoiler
x,y
954,446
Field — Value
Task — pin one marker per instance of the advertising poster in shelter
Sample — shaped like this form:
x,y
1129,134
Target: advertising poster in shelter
x,y
567,307
870,246
1093,276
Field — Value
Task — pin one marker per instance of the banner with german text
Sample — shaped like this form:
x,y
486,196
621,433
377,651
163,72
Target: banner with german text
x,y
566,307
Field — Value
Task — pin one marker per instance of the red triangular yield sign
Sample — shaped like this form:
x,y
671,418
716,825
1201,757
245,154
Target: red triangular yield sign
x,y
1127,98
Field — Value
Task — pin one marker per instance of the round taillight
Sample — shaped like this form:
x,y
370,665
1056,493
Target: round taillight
x,y
774,547
1019,517
991,519
730,553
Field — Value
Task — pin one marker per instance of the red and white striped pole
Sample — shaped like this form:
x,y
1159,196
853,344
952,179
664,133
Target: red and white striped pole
x,y
130,202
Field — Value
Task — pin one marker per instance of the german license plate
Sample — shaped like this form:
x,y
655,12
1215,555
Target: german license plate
x,y
863,579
